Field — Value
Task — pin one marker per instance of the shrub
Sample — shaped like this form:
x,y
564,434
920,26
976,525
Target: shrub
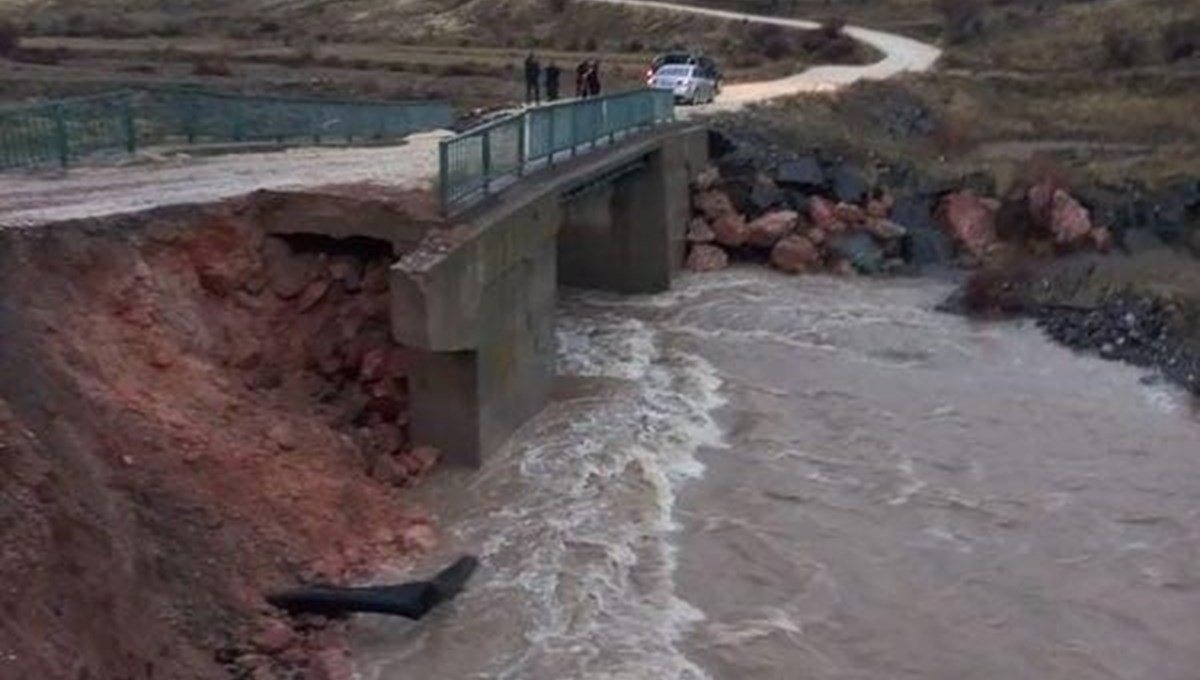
x,y
212,66
961,19
634,45
772,41
1121,49
832,28
10,40
1180,40
557,6
590,45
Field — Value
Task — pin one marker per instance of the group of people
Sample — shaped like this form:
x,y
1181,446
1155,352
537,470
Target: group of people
x,y
587,79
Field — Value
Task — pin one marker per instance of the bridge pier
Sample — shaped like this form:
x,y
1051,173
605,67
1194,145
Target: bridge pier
x,y
479,299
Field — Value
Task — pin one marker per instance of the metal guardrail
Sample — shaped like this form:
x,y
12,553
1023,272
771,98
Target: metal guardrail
x,y
472,162
64,131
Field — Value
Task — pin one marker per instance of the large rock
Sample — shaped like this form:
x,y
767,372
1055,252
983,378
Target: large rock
x,y
848,185
823,215
1140,240
1070,222
914,212
850,214
706,258
731,230
970,221
927,246
767,230
795,254
884,229
699,231
765,195
803,173
707,178
860,250
714,204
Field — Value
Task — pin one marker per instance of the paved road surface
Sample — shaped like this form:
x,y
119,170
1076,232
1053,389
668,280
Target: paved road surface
x,y
32,200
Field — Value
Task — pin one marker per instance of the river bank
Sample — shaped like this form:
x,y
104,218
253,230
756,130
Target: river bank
x,y
1101,270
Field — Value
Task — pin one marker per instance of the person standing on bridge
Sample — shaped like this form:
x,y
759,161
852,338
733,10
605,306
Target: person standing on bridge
x,y
533,80
593,78
581,79
553,73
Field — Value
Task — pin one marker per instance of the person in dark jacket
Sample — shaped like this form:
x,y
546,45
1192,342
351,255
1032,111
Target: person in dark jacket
x,y
553,73
593,78
533,80
581,74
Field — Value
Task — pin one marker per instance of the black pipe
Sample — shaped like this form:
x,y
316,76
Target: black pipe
x,y
410,600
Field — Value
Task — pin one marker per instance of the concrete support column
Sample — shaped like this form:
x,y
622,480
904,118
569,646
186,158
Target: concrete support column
x,y
484,316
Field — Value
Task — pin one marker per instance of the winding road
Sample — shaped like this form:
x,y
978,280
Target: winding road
x,y
27,201
901,54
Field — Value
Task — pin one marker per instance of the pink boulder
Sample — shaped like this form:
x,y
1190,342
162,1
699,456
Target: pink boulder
x,y
969,220
730,230
714,204
821,211
1070,222
706,258
699,231
767,230
795,254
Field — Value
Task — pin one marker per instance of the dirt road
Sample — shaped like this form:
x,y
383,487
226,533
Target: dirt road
x,y
900,54
30,201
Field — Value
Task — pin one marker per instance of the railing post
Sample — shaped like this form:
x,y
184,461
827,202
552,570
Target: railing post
x,y
130,124
550,136
239,120
190,114
60,136
522,138
486,152
575,109
444,172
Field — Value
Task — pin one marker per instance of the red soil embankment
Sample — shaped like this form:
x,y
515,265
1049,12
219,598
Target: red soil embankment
x,y
192,412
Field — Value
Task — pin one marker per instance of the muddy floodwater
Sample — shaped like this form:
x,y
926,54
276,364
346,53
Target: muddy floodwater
x,y
756,476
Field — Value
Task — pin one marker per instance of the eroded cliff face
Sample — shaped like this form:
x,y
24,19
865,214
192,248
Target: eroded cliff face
x,y
192,411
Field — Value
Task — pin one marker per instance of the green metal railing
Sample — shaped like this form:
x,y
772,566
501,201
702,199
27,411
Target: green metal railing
x,y
472,162
63,131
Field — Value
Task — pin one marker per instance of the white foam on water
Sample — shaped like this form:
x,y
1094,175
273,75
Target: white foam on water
x,y
574,522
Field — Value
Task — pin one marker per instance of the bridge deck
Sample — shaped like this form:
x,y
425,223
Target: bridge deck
x,y
31,201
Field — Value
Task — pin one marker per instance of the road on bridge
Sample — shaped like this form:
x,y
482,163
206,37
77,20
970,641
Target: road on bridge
x,y
32,200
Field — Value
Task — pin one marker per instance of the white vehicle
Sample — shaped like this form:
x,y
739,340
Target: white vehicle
x,y
690,83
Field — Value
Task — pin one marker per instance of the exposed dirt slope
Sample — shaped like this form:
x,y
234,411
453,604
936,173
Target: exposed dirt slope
x,y
191,412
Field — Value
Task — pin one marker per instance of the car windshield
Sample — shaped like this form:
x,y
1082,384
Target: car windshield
x,y
675,71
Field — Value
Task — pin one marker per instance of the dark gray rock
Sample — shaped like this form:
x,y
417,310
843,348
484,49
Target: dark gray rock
x,y
849,185
923,247
796,200
803,173
914,212
765,195
1139,240
859,250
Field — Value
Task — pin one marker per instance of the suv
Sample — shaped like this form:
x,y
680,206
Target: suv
x,y
689,83
707,67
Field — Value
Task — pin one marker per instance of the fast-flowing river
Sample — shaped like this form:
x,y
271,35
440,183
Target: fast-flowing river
x,y
757,476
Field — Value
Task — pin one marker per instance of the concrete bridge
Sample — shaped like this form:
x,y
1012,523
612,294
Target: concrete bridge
x,y
478,299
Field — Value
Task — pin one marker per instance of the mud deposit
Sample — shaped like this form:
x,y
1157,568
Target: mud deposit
x,y
190,412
